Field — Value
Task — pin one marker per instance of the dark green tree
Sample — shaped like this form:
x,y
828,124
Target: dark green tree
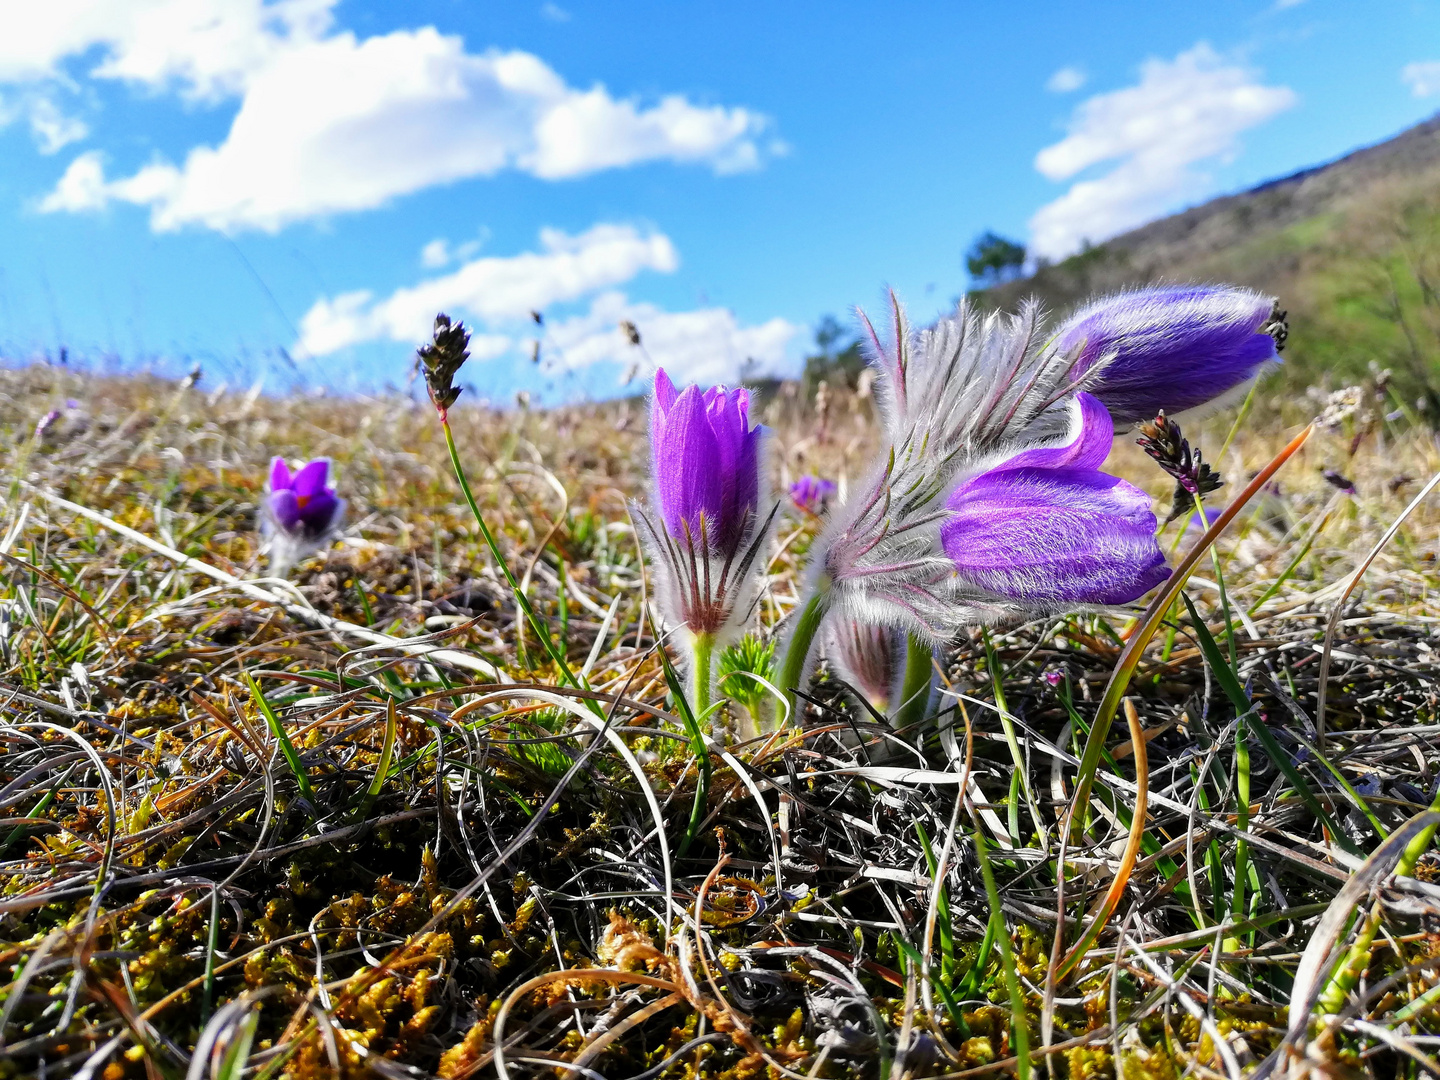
x,y
993,259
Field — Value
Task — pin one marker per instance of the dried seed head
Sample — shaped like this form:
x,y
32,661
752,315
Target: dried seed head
x,y
1163,440
441,359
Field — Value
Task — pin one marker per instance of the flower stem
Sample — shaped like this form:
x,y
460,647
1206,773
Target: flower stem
x,y
542,631
915,688
792,665
702,650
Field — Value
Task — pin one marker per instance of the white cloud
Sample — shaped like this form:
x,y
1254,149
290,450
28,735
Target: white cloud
x,y
554,13
207,48
1423,77
435,254
497,295
1066,80
52,128
1182,112
81,188
707,345
329,122
493,289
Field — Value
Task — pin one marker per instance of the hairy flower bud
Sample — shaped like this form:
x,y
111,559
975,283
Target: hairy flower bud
x,y
705,463
1172,348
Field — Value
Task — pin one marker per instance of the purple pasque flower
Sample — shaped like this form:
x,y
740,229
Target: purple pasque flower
x,y
1173,348
301,511
707,494
812,493
956,393
1045,529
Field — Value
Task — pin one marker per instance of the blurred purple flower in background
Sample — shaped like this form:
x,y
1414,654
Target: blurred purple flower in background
x,y
60,425
301,511
812,494
1171,348
1338,480
1047,529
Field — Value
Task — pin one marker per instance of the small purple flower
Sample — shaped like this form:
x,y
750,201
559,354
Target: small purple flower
x,y
1053,676
45,422
1171,348
1338,480
301,511
812,494
1046,529
705,463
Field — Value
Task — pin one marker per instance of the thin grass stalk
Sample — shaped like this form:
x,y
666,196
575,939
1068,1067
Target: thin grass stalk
x,y
286,746
1128,858
1019,1024
212,944
1007,725
1150,622
1284,575
382,767
1339,610
542,631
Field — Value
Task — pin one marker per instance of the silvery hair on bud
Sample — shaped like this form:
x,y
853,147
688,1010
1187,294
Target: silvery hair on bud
x,y
953,395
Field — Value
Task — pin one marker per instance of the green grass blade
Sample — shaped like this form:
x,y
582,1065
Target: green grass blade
x,y
1151,621
697,747
286,746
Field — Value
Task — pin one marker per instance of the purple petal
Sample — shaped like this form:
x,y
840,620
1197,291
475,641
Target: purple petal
x,y
685,456
319,514
1172,348
1054,536
665,392
284,510
1093,433
279,475
310,480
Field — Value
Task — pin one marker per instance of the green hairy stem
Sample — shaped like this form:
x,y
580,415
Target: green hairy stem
x,y
792,665
703,649
915,689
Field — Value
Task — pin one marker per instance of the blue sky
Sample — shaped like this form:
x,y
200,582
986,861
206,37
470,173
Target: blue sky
x,y
290,190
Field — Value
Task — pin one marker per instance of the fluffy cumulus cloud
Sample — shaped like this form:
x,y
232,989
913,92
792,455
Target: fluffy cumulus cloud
x,y
707,345
498,293
1182,113
1423,77
494,289
329,122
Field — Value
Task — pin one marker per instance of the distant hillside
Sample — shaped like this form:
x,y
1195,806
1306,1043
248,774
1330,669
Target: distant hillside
x,y
1352,249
